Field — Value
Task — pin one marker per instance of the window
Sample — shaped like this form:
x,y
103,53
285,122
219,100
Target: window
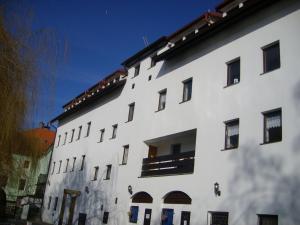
x,y
105,217
131,112
73,166
125,155
65,140
114,132
22,183
101,135
272,126
176,149
220,218
162,99
137,70
79,132
271,54
88,129
26,164
72,135
149,77
187,90
108,172
134,212
267,219
96,170
49,202
55,203
67,165
132,86
59,166
53,167
153,61
232,134
58,141
233,72
82,162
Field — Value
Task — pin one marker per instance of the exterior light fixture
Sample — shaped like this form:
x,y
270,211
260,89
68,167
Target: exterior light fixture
x,y
130,189
217,189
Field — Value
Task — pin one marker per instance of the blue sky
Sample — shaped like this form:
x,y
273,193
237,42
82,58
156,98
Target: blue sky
x,y
101,34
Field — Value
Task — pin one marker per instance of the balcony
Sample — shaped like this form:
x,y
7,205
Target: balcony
x,y
170,155
180,163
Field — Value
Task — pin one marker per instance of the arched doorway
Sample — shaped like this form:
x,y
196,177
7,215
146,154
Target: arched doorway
x,y
139,200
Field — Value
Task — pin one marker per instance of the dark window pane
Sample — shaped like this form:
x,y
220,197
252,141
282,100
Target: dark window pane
x,y
187,90
219,218
272,126
268,220
233,71
134,212
232,134
131,112
105,217
271,57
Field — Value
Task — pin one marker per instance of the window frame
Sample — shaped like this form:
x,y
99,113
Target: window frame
x,y
105,217
67,165
22,186
102,131
108,172
79,132
114,131
259,216
212,213
49,202
162,93
264,49
265,115
65,140
131,218
238,59
55,203
26,164
60,162
125,150
185,84
58,141
73,165
82,162
131,112
227,124
53,168
137,70
96,172
72,135
88,129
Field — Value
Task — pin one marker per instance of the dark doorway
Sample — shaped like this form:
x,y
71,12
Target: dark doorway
x,y
81,219
147,217
185,218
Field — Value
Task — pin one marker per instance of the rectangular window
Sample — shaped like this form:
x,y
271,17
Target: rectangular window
x,y
105,217
267,219
162,99
88,129
49,202
22,183
137,70
108,172
220,218
131,112
73,166
26,164
65,140
176,149
67,165
232,134
59,167
101,135
114,131
53,168
72,135
271,54
187,90
272,126
79,132
58,141
125,155
134,212
153,62
55,203
233,72
82,162
96,172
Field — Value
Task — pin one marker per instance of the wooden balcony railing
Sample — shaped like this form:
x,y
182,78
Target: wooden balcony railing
x,y
181,163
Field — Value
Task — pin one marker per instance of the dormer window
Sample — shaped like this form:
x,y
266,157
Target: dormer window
x,y
137,70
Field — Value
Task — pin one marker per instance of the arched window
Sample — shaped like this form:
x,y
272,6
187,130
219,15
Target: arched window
x,y
177,197
142,197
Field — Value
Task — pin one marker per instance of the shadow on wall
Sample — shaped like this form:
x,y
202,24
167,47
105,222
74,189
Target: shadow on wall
x,y
227,36
94,194
259,177
296,95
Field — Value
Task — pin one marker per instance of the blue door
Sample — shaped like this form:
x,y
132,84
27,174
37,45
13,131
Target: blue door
x,y
167,216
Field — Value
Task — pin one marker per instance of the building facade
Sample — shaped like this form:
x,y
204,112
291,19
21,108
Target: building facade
x,y
201,128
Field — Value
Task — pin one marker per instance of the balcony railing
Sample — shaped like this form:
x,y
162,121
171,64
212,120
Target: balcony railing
x,y
181,163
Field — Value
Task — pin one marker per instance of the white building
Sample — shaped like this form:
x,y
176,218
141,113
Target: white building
x,y
209,134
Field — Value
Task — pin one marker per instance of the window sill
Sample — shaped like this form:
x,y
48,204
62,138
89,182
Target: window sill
x,y
99,141
185,101
232,148
129,121
271,142
159,110
106,179
122,164
112,138
230,85
263,73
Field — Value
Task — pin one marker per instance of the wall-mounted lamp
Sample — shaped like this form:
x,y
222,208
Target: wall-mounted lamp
x,y
130,189
217,189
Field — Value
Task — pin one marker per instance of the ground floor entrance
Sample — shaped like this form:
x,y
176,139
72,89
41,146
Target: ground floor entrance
x,y
67,207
